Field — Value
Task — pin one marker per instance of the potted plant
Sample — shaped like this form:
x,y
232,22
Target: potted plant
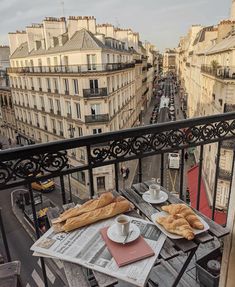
x,y
208,268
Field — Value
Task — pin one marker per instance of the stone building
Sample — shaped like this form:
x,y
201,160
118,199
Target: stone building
x,y
73,77
169,61
205,66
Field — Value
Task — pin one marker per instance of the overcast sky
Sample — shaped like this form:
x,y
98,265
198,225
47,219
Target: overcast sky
x,y
161,22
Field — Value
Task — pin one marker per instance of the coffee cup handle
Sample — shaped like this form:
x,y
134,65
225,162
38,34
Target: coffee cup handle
x,y
123,228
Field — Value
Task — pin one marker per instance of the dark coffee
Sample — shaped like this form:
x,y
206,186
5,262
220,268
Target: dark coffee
x,y
122,221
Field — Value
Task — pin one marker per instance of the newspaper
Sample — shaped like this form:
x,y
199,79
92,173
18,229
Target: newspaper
x,y
86,247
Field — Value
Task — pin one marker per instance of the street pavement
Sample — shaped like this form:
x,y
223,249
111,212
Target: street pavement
x,y
20,241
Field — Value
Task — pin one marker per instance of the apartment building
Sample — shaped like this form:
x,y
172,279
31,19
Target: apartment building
x,y
169,61
7,115
72,77
205,66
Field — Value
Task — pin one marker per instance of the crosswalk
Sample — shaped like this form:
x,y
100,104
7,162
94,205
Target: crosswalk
x,y
37,278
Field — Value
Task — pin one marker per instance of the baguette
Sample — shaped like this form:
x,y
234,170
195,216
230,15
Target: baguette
x,y
93,216
105,199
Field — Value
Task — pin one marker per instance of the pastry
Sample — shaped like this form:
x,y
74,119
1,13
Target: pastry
x,y
105,199
87,218
186,212
177,224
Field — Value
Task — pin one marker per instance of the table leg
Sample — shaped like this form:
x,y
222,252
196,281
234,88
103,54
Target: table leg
x,y
186,263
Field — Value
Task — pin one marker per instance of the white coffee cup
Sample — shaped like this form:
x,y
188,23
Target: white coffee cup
x,y
154,191
123,225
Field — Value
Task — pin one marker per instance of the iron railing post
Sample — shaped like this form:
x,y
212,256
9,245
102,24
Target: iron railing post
x,y
62,189
199,178
116,168
216,181
90,171
182,176
140,170
162,170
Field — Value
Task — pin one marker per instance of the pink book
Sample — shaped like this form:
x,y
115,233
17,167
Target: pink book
x,y
127,253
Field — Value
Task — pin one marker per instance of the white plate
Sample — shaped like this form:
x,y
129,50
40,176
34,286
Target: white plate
x,y
163,197
172,235
114,236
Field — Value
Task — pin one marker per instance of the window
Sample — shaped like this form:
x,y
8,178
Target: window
x,y
78,110
34,102
61,129
95,109
79,131
31,83
48,84
44,120
75,86
68,108
42,103
48,61
94,85
39,84
58,108
91,62
53,126
55,83
66,86
79,176
51,105
100,182
55,61
108,58
97,131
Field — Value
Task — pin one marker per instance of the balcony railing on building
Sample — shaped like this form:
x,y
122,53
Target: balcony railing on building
x,y
225,174
71,69
20,166
221,72
99,92
102,118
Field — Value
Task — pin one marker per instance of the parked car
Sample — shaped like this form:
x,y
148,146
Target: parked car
x,y
43,185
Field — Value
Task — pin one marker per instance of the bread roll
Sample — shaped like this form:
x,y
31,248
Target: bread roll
x,y
96,215
103,200
186,212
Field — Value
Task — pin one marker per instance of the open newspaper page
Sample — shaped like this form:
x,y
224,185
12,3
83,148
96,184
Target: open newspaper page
x,y
86,247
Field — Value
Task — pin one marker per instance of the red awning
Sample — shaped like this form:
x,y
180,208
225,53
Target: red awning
x,y
220,217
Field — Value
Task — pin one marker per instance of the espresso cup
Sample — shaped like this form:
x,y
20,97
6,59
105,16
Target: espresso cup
x,y
154,191
123,225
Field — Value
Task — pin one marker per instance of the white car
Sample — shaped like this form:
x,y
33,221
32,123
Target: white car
x,y
173,161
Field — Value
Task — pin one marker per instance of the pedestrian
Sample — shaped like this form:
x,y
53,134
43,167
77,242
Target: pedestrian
x,y
186,156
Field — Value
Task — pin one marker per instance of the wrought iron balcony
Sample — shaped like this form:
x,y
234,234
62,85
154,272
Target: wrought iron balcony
x,y
71,69
113,148
225,174
221,72
101,118
90,93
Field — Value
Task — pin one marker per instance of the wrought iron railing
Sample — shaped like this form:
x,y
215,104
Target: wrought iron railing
x,y
97,118
20,166
99,92
222,72
71,69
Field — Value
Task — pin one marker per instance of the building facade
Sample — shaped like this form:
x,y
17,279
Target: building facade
x,y
205,67
73,77
169,61
7,114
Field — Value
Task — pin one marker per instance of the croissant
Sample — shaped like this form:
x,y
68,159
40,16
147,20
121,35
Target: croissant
x,y
186,212
103,200
177,224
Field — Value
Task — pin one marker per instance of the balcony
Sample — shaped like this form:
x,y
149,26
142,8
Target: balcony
x,y
102,118
220,72
225,175
92,93
72,69
138,61
228,145
113,149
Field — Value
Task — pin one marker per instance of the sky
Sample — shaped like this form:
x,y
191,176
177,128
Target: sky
x,y
161,22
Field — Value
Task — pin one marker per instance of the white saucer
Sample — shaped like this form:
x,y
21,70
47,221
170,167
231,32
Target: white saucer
x,y
163,197
112,234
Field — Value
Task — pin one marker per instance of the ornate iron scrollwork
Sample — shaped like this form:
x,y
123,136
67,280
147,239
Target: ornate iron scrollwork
x,y
23,168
